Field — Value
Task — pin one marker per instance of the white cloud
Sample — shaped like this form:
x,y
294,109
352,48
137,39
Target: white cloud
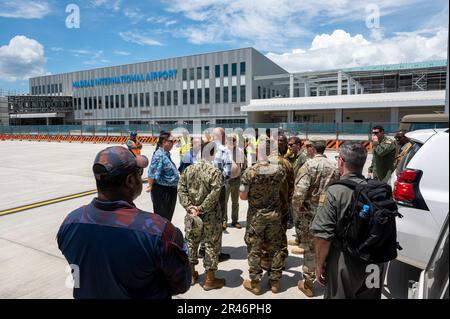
x,y
138,38
267,24
125,53
133,14
21,58
56,49
108,4
340,50
97,58
24,9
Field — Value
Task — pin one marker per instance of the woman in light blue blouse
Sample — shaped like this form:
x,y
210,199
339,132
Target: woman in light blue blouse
x,y
163,178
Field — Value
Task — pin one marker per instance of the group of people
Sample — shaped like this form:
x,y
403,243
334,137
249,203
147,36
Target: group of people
x,y
124,252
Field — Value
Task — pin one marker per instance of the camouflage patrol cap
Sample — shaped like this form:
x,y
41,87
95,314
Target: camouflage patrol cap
x,y
115,161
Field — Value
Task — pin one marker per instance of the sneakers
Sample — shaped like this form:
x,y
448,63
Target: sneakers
x,y
236,225
298,251
254,286
307,287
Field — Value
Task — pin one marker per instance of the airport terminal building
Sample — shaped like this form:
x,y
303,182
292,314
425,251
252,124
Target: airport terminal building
x,y
238,87
206,88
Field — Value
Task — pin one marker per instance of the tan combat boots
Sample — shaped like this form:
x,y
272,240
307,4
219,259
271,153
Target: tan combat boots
x,y
211,282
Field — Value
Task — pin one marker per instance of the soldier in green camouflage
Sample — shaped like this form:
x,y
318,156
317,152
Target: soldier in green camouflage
x,y
311,181
384,155
297,157
260,185
199,189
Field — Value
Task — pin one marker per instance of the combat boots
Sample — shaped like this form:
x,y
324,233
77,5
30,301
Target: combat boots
x,y
298,250
194,275
254,286
274,286
307,287
211,282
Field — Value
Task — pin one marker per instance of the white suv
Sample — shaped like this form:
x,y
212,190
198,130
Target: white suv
x,y
421,189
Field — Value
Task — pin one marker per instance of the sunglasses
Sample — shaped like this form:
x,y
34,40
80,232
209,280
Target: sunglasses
x,y
376,132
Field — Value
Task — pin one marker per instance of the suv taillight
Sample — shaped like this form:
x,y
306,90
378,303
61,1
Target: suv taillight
x,y
406,189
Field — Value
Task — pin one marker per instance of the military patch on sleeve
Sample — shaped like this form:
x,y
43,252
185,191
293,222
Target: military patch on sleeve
x,y
388,142
322,199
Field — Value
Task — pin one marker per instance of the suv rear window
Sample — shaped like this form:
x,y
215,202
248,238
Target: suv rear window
x,y
407,158
423,126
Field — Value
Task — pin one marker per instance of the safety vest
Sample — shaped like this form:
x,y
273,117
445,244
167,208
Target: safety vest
x,y
185,146
254,145
134,149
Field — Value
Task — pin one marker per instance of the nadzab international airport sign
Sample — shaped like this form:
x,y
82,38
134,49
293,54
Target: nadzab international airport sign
x,y
150,76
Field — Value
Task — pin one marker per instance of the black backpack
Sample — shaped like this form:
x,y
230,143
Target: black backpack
x,y
372,239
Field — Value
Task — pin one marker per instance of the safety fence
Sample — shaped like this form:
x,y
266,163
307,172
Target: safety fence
x,y
330,143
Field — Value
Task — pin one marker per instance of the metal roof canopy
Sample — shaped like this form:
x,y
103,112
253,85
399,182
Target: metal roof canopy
x,y
359,101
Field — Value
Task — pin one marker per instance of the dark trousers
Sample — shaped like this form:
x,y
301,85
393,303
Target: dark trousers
x,y
164,199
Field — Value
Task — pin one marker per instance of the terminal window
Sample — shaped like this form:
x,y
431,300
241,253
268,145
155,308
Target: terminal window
x,y
122,100
135,100
199,96
234,69
169,100
242,93
217,95
225,94
199,73
225,70
111,101
191,96
85,103
155,98
242,68
117,101
206,72
191,73
161,98
106,102
175,97
95,102
207,96
90,103
217,71
130,100
184,97
147,99
184,74
233,94
99,102
141,97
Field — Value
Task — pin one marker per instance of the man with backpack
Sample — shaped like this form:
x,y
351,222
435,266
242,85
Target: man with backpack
x,y
354,230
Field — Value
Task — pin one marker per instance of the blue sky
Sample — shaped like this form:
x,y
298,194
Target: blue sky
x,y
299,35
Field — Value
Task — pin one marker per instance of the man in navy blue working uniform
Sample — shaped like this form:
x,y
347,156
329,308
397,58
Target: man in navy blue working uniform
x,y
120,250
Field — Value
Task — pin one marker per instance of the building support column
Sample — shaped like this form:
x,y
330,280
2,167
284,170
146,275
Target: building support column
x,y
290,116
339,84
395,115
291,85
349,86
306,89
338,116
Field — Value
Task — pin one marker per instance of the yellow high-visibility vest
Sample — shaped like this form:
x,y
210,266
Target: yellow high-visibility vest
x,y
185,146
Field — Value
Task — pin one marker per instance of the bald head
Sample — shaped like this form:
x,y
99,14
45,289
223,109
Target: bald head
x,y
219,134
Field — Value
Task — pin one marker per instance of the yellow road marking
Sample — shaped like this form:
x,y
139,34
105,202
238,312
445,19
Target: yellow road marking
x,y
48,202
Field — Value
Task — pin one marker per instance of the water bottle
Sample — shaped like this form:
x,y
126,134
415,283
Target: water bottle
x,y
365,212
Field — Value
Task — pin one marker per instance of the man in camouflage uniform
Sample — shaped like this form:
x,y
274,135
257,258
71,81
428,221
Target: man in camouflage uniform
x,y
297,157
287,189
199,189
260,185
384,155
312,179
